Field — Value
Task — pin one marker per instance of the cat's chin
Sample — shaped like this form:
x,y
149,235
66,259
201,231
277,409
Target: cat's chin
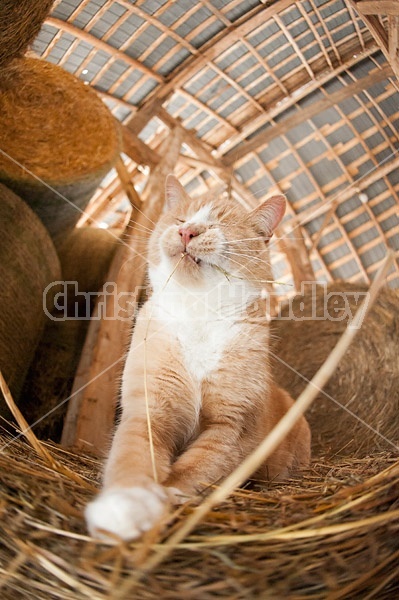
x,y
187,266
190,258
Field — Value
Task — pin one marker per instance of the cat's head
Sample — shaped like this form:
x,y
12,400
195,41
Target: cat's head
x,y
206,240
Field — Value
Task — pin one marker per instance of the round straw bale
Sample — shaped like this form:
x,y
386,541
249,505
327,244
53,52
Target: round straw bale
x,y
28,264
58,140
49,381
20,24
85,257
366,382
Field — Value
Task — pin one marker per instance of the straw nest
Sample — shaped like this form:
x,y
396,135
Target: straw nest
x,y
58,140
85,259
20,24
28,263
333,534
358,411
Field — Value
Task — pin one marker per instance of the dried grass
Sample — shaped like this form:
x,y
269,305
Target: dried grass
x,y
85,258
20,24
331,533
75,138
366,380
28,263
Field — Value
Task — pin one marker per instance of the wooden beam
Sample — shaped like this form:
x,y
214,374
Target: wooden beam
x,y
209,52
128,186
90,417
151,108
294,247
361,184
204,153
248,23
378,7
306,113
393,38
101,45
387,40
138,150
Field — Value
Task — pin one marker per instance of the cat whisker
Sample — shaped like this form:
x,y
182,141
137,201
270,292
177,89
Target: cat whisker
x,y
242,266
140,226
251,258
243,240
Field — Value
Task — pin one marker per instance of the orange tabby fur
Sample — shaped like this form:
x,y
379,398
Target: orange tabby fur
x,y
200,347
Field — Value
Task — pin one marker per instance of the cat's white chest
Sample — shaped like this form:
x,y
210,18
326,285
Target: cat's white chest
x,y
203,344
203,336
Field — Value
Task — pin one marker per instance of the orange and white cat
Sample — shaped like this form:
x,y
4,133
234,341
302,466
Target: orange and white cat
x,y
199,354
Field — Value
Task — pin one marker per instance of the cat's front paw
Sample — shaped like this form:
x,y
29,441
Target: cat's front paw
x,y
125,512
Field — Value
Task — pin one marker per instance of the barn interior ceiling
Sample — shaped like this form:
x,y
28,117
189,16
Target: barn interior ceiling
x,y
294,97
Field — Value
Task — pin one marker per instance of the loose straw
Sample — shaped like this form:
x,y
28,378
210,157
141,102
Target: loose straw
x,y
270,443
26,430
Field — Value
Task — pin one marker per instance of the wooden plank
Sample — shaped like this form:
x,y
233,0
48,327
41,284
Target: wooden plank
x,y
138,150
90,418
358,185
294,247
386,40
100,45
209,52
128,186
203,152
306,113
393,37
378,7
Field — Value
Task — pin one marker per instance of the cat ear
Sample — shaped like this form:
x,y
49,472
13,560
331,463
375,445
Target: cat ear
x,y
268,215
174,191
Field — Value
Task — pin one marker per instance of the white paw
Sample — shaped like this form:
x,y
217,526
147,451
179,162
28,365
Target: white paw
x,y
125,512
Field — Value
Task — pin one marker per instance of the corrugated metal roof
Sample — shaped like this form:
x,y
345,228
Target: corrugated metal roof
x,y
238,77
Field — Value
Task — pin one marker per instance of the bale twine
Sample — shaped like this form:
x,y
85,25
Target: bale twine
x,y
366,381
20,24
58,140
28,264
85,258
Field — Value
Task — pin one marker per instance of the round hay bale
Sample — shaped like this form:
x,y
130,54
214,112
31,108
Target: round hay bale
x,y
49,381
366,382
20,24
28,264
58,140
85,257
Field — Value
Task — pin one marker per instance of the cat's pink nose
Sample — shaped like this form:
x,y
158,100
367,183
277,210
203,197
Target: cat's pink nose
x,y
188,233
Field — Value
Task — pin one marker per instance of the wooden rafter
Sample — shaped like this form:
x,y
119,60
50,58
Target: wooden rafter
x,y
239,104
378,7
306,113
138,150
361,184
151,108
387,38
101,45
248,23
